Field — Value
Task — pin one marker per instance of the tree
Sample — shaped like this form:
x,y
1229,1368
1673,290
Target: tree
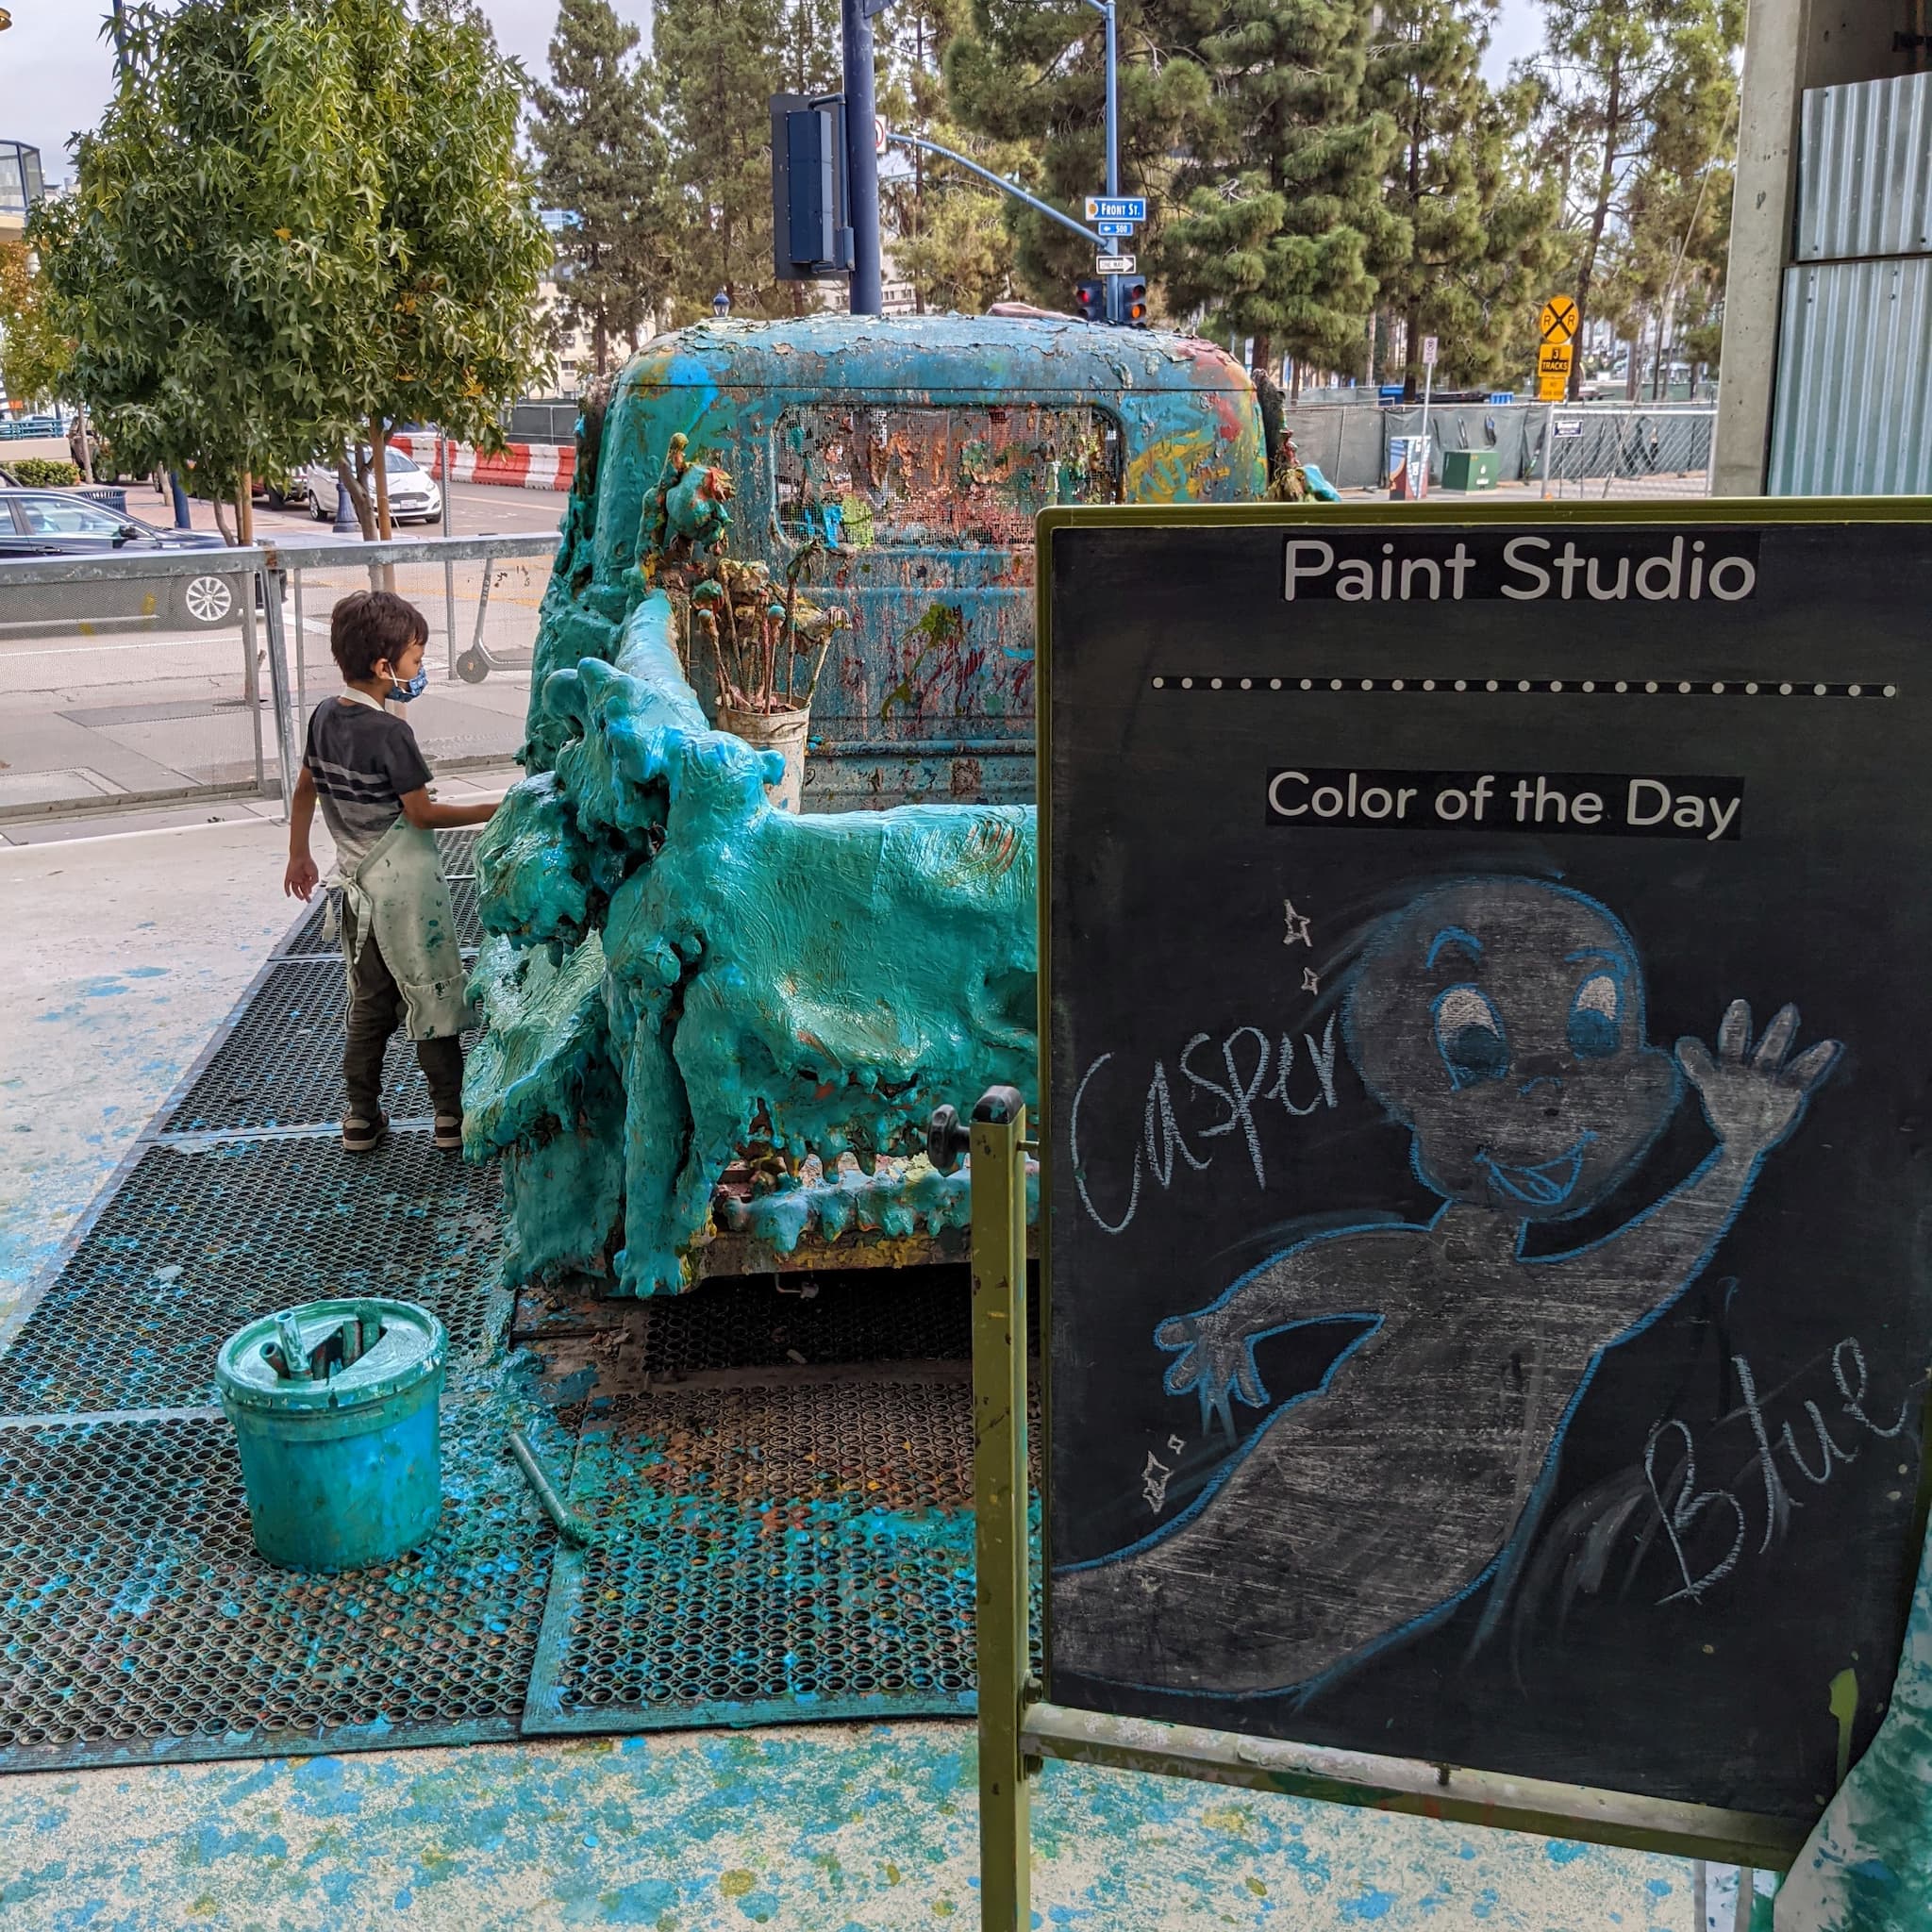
x,y
948,236
448,330
34,354
718,61
1479,250
1287,235
205,268
606,163
1030,75
1632,92
298,221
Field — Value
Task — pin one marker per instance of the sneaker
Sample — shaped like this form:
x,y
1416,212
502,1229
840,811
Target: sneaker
x,y
449,1133
360,1136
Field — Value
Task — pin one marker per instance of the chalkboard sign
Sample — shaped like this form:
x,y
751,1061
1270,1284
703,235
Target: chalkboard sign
x,y
1490,1032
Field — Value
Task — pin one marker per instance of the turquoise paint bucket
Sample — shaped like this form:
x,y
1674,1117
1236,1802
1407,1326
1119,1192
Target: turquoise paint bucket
x,y
335,1411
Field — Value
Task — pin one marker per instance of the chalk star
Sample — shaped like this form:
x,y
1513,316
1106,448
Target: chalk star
x,y
1298,926
1154,1480
1311,981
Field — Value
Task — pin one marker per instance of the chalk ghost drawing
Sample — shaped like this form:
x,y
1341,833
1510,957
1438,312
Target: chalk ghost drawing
x,y
1502,1022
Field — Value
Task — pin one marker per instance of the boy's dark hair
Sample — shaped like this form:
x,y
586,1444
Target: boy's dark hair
x,y
368,626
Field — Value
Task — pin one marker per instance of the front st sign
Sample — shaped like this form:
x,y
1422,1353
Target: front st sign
x,y
1488,1316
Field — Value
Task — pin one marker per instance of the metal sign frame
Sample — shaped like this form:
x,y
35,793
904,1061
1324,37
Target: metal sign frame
x,y
1018,1728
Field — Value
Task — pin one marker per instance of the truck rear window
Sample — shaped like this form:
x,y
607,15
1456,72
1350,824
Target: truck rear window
x,y
917,477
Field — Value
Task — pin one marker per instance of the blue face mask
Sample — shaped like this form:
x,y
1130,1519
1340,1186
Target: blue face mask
x,y
402,693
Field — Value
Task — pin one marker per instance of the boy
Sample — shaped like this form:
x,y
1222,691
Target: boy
x,y
399,937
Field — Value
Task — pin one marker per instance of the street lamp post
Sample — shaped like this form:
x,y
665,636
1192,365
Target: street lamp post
x,y
862,155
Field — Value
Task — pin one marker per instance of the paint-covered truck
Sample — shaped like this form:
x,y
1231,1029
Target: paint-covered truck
x,y
716,1030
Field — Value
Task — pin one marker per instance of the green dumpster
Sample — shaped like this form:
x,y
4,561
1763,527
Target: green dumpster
x,y
1469,469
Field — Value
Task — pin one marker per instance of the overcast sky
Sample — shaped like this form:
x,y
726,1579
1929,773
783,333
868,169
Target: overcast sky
x,y
55,70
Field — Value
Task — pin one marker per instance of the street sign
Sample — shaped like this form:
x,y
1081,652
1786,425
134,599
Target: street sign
x,y
1123,230
1558,323
878,133
1553,364
1428,352
1386,1412
1113,265
1116,207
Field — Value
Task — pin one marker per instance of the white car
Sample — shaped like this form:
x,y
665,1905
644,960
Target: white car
x,y
413,497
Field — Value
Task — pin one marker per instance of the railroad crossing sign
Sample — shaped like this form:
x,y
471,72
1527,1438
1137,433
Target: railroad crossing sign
x,y
1117,208
1553,365
1558,323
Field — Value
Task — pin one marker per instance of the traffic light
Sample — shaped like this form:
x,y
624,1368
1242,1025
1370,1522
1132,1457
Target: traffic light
x,y
811,221
1133,301
1090,297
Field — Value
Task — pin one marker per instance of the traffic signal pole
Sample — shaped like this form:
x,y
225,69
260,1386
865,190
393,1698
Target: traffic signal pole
x,y
1105,9
862,155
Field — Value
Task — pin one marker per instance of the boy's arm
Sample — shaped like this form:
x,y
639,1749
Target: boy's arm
x,y
427,816
299,880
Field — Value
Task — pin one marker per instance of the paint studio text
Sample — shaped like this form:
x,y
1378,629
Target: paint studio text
x,y
1592,566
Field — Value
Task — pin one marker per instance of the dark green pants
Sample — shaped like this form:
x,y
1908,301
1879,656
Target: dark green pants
x,y
376,1009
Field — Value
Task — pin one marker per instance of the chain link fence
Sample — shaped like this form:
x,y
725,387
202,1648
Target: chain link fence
x,y
167,678
1617,454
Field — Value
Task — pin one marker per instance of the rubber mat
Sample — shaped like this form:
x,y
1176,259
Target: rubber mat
x,y
141,1623
280,1062
194,1241
774,1551
308,941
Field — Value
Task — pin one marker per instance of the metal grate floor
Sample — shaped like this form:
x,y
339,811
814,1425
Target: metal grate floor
x,y
140,1623
197,1240
771,1552
280,1064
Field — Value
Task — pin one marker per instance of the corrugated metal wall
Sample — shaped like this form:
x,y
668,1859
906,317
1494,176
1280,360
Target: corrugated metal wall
x,y
1865,171
1854,380
1854,414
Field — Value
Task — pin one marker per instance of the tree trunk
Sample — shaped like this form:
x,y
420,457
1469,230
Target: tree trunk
x,y
244,509
378,463
221,522
1605,191
347,481
600,346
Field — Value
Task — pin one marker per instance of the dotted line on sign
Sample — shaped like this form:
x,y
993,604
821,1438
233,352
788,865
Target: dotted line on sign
x,y
1587,687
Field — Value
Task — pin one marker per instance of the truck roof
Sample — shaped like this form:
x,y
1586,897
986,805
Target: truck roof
x,y
946,355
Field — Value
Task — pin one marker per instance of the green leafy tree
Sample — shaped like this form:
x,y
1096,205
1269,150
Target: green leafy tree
x,y
1460,182
205,269
606,163
1030,75
720,62
34,354
1633,94
449,331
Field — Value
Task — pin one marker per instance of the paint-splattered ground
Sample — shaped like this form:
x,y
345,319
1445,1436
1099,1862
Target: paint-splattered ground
x,y
834,1829
127,952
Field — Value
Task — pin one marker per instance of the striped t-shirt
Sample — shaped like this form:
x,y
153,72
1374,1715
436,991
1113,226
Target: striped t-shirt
x,y
362,760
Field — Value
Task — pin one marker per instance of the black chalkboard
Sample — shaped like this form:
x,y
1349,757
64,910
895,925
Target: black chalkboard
x,y
1489,1034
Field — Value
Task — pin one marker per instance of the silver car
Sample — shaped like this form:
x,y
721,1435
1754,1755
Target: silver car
x,y
413,496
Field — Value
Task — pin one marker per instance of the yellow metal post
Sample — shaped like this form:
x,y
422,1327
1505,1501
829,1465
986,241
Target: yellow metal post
x,y
999,1503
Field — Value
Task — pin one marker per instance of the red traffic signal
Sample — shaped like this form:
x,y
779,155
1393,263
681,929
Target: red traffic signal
x,y
1089,297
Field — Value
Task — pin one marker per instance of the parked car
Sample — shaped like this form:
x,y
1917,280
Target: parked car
x,y
57,523
288,495
113,494
413,497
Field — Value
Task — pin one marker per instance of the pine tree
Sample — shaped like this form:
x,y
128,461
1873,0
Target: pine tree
x,y
1286,234
605,164
1632,92
1479,253
1032,76
717,60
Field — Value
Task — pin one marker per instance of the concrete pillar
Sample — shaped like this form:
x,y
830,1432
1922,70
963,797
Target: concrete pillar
x,y
1762,212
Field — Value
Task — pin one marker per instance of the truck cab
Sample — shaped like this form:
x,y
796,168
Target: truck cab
x,y
897,464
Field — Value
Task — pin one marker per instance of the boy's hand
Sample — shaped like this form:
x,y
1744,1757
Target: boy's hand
x,y
299,881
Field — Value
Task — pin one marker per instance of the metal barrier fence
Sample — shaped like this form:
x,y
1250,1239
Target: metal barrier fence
x,y
1615,449
164,679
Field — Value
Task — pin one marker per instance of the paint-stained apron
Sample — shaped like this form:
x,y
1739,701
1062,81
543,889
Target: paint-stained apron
x,y
399,896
